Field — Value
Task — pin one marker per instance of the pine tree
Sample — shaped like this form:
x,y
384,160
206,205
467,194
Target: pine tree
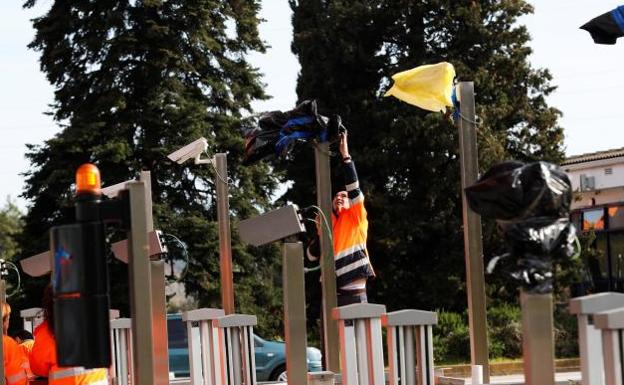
x,y
407,158
11,224
134,81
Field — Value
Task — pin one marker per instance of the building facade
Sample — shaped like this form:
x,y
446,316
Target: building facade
x,y
598,210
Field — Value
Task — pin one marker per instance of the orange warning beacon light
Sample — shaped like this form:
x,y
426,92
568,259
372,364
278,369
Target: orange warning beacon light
x,y
88,180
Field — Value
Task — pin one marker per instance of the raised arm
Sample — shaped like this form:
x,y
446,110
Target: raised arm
x,y
352,185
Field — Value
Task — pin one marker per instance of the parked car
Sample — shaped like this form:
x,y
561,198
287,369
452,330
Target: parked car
x,y
270,355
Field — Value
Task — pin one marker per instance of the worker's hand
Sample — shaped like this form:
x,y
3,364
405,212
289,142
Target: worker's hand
x,y
344,147
317,219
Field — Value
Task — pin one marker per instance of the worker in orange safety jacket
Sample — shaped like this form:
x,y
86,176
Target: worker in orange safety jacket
x,y
43,355
350,232
25,340
14,358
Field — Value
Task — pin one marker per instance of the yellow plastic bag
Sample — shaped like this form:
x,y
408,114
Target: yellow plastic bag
x,y
427,86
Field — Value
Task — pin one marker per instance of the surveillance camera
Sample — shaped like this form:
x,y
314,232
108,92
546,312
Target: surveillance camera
x,y
271,226
37,265
156,246
190,151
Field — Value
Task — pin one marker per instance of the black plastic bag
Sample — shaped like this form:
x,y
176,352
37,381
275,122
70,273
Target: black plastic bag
x,y
540,236
513,191
533,245
304,117
259,144
278,133
606,28
531,203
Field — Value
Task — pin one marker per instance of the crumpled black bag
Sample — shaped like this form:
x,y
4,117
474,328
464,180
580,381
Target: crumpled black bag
x,y
288,120
259,144
513,191
533,245
531,204
279,132
605,29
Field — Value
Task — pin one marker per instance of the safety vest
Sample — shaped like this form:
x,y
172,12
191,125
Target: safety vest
x,y
350,230
14,373
43,363
26,347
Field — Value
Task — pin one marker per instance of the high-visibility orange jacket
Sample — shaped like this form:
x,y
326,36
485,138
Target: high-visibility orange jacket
x,y
350,231
14,374
43,363
26,347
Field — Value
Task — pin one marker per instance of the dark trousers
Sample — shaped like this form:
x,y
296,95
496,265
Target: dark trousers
x,y
347,297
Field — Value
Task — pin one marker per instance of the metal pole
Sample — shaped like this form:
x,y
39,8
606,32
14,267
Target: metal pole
x,y
158,298
2,300
225,244
538,347
140,287
331,348
473,247
294,313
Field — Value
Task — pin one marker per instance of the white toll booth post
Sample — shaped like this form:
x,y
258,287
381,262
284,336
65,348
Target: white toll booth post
x,y
611,324
590,338
361,345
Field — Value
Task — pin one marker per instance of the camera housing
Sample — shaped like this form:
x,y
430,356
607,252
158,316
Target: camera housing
x,y
190,151
272,226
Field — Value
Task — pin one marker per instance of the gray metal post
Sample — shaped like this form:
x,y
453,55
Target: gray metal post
x,y
331,352
2,300
159,323
294,313
140,287
158,298
473,246
225,244
538,343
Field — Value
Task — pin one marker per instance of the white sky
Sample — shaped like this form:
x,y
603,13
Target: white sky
x,y
590,82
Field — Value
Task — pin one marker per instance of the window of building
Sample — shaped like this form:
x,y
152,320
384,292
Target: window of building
x,y
593,219
606,264
616,217
608,171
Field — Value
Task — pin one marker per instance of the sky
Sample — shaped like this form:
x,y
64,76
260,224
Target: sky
x,y
589,82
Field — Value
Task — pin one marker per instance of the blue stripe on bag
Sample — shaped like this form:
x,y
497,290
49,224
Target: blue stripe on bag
x,y
618,16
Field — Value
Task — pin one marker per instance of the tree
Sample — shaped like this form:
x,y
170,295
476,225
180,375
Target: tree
x,y
135,80
10,227
407,158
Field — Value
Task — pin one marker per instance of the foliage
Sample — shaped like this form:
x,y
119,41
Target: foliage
x,y
505,331
407,158
566,333
451,338
134,81
11,224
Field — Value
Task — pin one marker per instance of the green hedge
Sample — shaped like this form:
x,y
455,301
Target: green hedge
x,y
451,337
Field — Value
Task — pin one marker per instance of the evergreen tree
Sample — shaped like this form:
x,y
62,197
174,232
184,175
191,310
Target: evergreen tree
x,y
11,225
407,158
134,81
